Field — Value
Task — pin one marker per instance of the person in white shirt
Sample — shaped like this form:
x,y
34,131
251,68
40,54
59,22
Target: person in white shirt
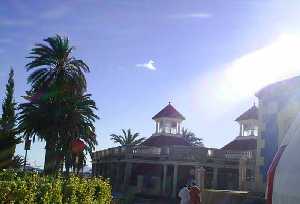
x,y
184,195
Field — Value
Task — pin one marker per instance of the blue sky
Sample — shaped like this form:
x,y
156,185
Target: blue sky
x,y
208,57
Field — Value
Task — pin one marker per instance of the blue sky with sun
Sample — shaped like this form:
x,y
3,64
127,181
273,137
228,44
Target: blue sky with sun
x,y
208,57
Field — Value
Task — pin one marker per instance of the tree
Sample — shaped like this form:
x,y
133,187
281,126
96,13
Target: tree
x,y
17,162
57,109
191,138
127,139
65,120
78,162
8,132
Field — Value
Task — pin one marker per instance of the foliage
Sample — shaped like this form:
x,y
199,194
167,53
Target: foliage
x,y
20,187
17,162
191,138
57,109
8,132
127,139
53,64
80,163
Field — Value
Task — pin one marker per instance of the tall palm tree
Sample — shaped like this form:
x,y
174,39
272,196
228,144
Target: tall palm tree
x,y
128,139
57,111
191,138
54,66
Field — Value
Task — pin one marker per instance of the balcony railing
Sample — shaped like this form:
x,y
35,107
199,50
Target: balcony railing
x,y
182,153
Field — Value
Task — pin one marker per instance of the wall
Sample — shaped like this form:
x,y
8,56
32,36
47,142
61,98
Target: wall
x,y
278,106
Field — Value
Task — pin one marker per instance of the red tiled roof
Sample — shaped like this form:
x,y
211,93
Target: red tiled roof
x,y
241,145
162,140
170,112
251,113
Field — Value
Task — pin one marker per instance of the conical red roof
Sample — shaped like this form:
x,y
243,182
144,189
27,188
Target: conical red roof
x,y
241,145
162,140
251,113
168,112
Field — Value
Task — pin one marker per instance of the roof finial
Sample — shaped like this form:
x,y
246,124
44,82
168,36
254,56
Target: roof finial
x,y
169,102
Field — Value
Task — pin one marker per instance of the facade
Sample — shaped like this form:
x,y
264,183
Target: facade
x,y
244,147
166,161
279,104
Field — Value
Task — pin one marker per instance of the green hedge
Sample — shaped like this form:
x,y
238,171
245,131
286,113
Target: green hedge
x,y
19,187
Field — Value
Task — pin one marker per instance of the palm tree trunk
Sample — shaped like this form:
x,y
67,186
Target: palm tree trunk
x,y
50,160
67,164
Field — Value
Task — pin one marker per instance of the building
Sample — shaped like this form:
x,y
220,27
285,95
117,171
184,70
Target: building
x,y
166,161
279,104
244,147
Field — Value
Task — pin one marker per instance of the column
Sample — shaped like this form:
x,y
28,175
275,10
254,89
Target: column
x,y
215,178
164,183
175,175
127,175
118,173
200,176
241,129
242,173
156,128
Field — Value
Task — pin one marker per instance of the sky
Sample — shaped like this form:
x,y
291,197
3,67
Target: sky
x,y
207,57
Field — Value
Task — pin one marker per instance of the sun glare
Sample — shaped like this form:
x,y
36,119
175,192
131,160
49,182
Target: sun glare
x,y
279,60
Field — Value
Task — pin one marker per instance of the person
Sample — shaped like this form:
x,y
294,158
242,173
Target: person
x,y
184,195
195,195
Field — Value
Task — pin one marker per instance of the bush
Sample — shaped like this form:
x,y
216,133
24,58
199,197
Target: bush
x,y
20,187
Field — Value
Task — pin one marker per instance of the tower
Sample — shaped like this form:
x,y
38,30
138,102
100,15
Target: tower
x,y
248,122
168,121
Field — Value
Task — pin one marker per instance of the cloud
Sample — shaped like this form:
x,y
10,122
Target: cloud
x,y
14,22
199,15
149,65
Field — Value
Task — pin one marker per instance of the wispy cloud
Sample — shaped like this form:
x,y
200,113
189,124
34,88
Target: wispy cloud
x,y
150,65
15,22
56,13
200,15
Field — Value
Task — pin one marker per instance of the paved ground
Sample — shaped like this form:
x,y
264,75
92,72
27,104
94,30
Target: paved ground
x,y
153,200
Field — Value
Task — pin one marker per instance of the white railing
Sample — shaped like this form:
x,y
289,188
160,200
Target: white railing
x,y
143,150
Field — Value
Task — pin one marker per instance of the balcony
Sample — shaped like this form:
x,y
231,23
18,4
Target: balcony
x,y
171,153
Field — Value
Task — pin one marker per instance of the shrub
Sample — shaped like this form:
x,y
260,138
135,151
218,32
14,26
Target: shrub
x,y
20,187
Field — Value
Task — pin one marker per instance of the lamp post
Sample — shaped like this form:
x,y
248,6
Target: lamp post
x,y
26,148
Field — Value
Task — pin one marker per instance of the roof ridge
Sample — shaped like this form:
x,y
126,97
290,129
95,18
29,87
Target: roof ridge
x,y
169,112
251,113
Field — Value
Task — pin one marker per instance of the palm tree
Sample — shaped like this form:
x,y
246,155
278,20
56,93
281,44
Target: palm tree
x,y
59,123
54,66
191,138
127,139
78,162
57,110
